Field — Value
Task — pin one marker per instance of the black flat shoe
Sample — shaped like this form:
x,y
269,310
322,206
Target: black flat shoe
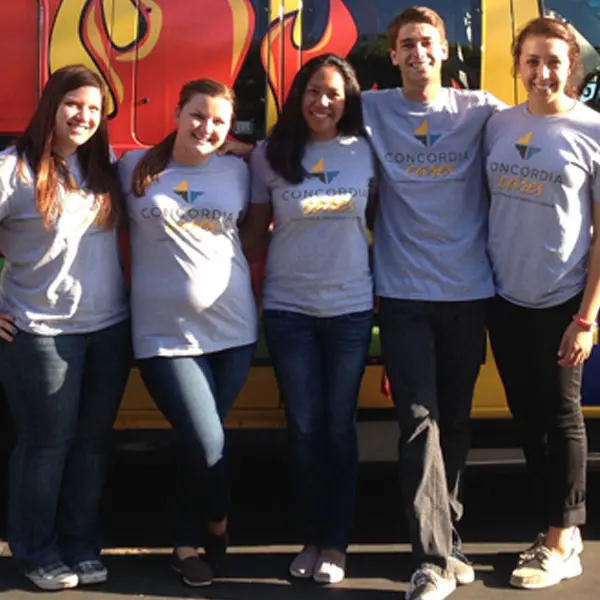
x,y
193,570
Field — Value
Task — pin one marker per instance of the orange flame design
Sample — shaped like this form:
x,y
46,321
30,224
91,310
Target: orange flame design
x,y
339,37
109,36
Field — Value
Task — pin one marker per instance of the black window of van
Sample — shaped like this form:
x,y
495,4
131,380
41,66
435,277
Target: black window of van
x,y
584,16
249,86
369,55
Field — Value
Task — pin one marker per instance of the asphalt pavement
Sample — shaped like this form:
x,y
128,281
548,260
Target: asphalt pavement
x,y
499,522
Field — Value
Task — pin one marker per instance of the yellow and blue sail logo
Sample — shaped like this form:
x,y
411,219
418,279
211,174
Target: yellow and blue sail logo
x,y
184,192
524,147
423,135
319,172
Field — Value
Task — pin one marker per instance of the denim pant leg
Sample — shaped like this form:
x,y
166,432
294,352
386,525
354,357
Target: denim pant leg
x,y
409,354
42,378
186,391
344,342
293,345
460,351
107,365
229,370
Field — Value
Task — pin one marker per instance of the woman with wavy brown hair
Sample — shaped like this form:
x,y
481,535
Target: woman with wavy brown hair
x,y
543,169
194,317
64,327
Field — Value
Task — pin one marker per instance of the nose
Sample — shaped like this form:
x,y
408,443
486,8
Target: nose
x,y
544,71
324,100
420,50
205,126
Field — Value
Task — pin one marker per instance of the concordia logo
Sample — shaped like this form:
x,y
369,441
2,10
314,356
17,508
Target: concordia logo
x,y
319,172
423,135
525,150
187,195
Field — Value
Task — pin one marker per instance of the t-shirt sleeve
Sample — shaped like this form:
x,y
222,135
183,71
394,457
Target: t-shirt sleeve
x,y
596,177
494,104
126,166
488,136
259,169
8,175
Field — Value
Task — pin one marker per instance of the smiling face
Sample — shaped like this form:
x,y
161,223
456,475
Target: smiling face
x,y
323,103
544,67
202,125
77,119
419,52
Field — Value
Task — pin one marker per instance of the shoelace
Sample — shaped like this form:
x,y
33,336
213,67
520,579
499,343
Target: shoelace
x,y
54,569
537,551
422,577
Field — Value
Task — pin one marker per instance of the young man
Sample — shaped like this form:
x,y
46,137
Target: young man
x,y
432,276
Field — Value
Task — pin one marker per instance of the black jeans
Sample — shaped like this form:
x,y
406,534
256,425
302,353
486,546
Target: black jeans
x,y
544,399
432,353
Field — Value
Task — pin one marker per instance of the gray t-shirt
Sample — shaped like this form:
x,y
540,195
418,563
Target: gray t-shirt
x,y
544,175
430,231
65,279
190,287
318,260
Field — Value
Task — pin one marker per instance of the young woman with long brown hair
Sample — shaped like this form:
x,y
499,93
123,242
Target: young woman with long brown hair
x,y
65,349
193,312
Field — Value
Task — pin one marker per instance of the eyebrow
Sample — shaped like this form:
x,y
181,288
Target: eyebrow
x,y
427,38
533,55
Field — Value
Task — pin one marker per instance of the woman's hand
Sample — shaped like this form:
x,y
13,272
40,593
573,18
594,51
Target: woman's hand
x,y
575,346
236,148
7,327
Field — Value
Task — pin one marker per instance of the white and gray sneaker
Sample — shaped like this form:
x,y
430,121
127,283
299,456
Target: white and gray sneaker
x,y
539,567
90,572
303,564
53,576
430,583
461,566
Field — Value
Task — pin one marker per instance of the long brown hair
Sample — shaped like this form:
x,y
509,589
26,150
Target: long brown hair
x,y
36,146
155,161
547,27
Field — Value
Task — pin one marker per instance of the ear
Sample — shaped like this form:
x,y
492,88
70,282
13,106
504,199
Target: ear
x,y
176,116
445,50
394,57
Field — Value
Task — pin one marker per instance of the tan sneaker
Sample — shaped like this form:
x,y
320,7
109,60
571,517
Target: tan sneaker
x,y
540,567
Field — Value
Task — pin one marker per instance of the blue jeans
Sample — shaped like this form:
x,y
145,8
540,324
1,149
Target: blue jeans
x,y
319,364
195,393
63,393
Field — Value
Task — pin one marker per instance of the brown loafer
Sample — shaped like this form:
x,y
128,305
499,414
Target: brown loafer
x,y
193,570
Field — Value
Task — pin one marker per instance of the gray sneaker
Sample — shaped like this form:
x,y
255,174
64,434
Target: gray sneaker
x,y
430,583
540,567
461,566
90,572
54,576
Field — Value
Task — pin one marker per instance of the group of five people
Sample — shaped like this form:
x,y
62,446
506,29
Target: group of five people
x,y
484,216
